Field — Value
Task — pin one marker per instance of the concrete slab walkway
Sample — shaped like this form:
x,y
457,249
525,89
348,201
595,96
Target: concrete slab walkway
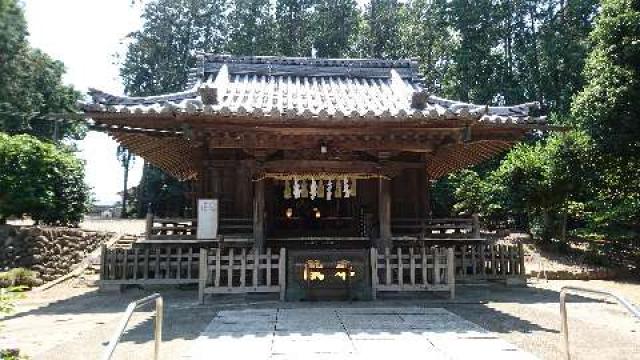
x,y
348,333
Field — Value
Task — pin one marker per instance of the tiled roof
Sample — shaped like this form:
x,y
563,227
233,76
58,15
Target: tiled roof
x,y
308,88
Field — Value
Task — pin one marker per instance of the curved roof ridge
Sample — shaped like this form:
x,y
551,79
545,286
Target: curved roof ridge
x,y
520,109
99,96
299,60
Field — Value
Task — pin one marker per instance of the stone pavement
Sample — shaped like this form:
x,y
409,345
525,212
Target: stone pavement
x,y
348,333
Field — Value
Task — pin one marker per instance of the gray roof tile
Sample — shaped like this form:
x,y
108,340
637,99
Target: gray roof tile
x,y
309,88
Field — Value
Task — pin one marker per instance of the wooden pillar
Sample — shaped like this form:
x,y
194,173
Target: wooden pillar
x,y
149,222
475,226
384,212
258,214
425,183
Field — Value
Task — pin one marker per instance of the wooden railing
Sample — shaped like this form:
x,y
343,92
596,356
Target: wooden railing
x,y
160,265
236,270
437,229
186,229
411,269
241,271
489,261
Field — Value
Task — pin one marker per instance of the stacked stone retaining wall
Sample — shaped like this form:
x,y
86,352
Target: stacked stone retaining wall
x,y
50,251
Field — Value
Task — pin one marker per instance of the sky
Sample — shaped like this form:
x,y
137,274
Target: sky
x,y
86,35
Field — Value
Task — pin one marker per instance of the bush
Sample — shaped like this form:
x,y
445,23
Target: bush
x,y
41,180
8,296
19,277
11,354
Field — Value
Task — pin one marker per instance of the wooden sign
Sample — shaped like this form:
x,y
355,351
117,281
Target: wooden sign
x,y
207,218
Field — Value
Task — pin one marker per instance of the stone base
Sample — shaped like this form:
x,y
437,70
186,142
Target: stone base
x,y
110,288
520,281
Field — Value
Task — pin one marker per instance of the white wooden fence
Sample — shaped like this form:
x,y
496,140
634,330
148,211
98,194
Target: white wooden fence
x,y
241,271
413,269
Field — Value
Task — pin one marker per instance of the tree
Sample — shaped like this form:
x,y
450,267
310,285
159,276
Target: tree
x,y
41,180
385,18
160,55
334,25
426,35
31,90
608,109
126,159
163,193
251,27
293,30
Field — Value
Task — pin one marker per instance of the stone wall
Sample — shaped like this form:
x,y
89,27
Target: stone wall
x,y
50,251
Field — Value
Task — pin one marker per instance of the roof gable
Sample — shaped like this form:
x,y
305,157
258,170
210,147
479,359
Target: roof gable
x,y
268,86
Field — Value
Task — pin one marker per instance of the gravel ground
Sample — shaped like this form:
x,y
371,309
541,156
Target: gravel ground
x,y
121,226
74,321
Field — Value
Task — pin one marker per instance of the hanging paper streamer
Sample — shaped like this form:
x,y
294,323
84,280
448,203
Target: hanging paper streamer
x,y
296,189
346,188
313,190
338,193
287,189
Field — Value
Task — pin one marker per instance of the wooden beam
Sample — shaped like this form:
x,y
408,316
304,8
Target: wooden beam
x,y
321,165
423,143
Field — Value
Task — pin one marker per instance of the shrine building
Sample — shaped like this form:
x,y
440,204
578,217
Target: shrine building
x,y
321,171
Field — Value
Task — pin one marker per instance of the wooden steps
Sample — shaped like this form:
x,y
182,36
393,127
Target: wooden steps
x,y
124,242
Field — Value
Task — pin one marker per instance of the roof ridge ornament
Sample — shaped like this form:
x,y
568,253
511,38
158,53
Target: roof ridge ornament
x,y
419,99
209,90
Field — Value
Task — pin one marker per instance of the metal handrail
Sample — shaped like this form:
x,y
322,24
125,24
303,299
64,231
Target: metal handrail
x,y
574,289
115,339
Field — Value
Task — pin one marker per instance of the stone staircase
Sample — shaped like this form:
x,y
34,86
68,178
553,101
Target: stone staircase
x,y
125,241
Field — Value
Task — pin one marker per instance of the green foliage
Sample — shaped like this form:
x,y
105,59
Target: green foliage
x,y
8,297
160,55
31,88
293,31
534,184
384,19
251,26
40,180
11,354
334,24
165,194
19,277
470,192
608,110
426,34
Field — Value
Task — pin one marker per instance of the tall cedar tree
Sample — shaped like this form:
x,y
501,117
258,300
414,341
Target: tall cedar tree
x,y
384,19
251,26
293,31
334,24
159,56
